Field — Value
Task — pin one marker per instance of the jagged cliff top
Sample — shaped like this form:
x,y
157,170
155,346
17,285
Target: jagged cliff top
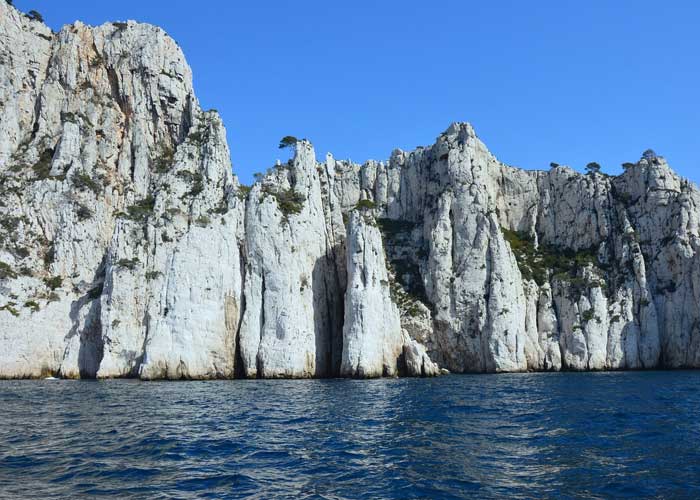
x,y
143,48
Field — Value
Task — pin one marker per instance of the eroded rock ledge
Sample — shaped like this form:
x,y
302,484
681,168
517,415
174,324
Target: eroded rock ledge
x,y
129,249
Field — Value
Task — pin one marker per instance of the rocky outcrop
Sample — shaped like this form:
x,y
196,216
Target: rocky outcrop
x,y
374,343
294,237
372,339
129,249
121,220
533,270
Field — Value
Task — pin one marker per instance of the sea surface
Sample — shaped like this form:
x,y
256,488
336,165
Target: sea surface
x,y
559,435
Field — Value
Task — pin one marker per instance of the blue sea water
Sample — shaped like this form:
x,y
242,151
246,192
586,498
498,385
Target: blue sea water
x,y
567,435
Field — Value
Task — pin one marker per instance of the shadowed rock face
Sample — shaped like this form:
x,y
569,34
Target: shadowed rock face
x,y
129,249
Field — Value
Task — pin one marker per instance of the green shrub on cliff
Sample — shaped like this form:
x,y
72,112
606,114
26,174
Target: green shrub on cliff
x,y
366,205
35,16
288,141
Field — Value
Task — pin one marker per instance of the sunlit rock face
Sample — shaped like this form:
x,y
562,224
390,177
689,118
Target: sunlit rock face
x,y
129,249
532,270
374,343
294,273
121,220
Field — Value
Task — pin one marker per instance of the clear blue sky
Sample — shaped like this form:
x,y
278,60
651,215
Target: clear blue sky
x,y
541,81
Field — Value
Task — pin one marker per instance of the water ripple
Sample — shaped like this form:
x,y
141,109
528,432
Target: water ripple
x,y
573,435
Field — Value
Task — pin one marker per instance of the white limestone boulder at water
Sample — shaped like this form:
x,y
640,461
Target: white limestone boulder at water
x,y
128,248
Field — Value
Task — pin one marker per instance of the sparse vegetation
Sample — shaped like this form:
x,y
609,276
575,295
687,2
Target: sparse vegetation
x,y
202,221
196,136
128,263
650,155
366,205
289,201
593,168
9,223
587,315
164,161
141,210
627,165
96,292
50,255
83,212
394,228
42,168
6,272
553,165
221,209
195,179
406,286
96,61
405,281
151,275
622,197
83,181
33,305
243,191
35,16
288,141
539,264
54,282
19,252
10,307
303,283
69,116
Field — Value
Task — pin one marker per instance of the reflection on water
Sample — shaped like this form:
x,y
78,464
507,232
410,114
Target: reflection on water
x,y
569,435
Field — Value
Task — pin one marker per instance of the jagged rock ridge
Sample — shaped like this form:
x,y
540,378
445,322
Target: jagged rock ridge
x,y
129,249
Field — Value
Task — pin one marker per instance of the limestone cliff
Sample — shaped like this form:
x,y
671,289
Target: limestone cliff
x,y
121,220
374,343
294,237
129,249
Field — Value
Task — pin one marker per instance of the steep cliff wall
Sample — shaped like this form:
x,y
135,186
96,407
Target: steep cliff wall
x,y
121,224
540,270
294,237
129,249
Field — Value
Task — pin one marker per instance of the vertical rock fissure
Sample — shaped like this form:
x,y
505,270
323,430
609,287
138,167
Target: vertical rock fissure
x,y
239,369
258,358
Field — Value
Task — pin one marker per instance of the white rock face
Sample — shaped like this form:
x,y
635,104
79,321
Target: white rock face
x,y
372,339
295,275
374,343
122,226
531,270
129,249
